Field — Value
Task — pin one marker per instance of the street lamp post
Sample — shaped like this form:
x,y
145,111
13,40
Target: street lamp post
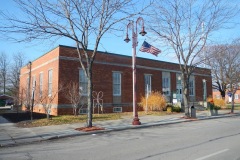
x,y
134,45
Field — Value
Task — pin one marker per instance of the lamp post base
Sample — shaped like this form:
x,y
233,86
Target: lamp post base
x,y
136,121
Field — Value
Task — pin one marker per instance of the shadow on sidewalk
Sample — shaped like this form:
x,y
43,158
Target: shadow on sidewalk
x,y
21,116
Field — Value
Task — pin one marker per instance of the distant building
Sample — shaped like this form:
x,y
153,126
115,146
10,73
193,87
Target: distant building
x,y
112,74
228,96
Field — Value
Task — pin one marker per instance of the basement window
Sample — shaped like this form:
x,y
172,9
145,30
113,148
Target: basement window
x,y
83,111
117,109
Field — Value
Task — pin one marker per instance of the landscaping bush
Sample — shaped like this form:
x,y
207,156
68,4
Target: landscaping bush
x,y
173,108
216,103
155,102
176,109
169,108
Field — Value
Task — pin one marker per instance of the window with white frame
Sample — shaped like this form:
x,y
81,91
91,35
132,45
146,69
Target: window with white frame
x,y
148,83
116,83
191,86
117,109
83,111
33,84
83,82
166,83
236,96
50,72
40,84
33,81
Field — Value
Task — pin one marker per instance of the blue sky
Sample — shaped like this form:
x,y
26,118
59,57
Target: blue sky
x,y
109,43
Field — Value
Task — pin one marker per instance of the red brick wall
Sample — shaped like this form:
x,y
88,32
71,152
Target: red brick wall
x,y
216,94
66,69
42,65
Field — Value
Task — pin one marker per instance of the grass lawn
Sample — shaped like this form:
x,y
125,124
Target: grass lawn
x,y
23,119
236,106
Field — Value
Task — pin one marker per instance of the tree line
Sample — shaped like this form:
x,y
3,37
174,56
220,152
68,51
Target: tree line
x,y
9,73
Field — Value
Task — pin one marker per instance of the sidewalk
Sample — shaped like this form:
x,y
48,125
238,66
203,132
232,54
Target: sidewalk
x,y
11,135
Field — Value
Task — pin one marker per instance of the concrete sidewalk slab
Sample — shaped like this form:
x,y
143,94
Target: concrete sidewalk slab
x,y
11,135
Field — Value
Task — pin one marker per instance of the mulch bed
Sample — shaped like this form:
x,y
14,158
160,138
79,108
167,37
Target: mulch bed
x,y
89,129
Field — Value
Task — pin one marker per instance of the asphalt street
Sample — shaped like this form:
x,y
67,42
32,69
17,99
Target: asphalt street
x,y
200,140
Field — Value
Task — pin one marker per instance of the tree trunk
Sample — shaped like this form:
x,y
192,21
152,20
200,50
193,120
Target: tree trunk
x,y
47,115
185,95
222,94
232,104
4,84
185,102
90,101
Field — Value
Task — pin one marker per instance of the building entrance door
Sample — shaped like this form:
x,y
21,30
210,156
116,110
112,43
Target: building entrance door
x,y
179,94
179,88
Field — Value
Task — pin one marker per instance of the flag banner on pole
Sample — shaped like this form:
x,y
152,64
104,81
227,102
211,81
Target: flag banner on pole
x,y
146,47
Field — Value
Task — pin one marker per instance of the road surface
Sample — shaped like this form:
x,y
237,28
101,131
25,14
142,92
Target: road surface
x,y
215,139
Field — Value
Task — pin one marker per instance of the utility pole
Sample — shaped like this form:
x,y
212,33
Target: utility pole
x,y
29,84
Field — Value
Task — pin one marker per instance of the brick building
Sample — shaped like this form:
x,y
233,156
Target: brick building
x,y
228,99
112,75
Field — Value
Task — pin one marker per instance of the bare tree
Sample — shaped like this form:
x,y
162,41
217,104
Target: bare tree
x,y
74,96
217,64
184,27
17,63
46,99
82,21
4,64
225,67
232,70
23,96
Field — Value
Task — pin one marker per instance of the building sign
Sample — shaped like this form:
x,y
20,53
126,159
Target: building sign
x,y
229,94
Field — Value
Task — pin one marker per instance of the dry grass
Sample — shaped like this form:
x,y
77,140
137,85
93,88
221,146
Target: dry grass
x,y
66,119
69,119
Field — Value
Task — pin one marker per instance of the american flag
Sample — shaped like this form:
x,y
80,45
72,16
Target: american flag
x,y
146,47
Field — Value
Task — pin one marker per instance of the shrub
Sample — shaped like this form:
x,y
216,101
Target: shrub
x,y
216,103
213,106
155,102
173,108
176,109
219,102
169,108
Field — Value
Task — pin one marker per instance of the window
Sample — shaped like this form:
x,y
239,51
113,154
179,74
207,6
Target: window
x,y
116,83
27,87
236,96
40,84
191,86
117,109
33,85
83,111
83,82
166,83
148,84
33,81
50,82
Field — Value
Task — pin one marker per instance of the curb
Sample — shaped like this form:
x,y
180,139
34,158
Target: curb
x,y
107,130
